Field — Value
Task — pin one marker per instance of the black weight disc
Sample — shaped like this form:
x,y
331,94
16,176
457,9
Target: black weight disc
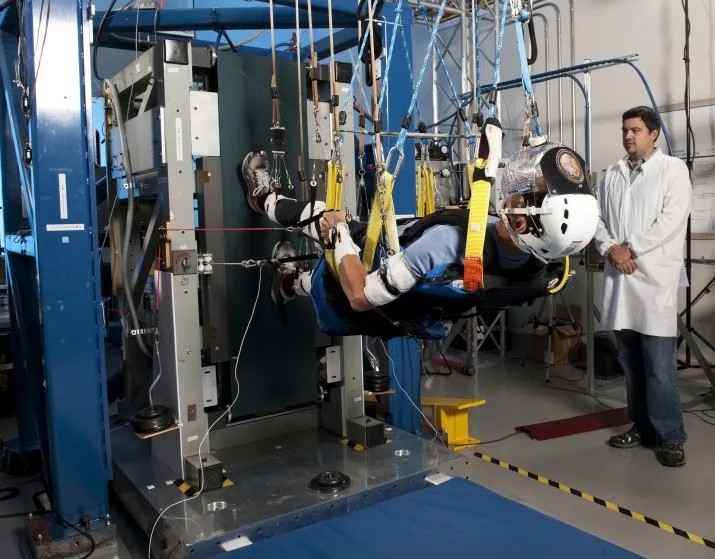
x,y
152,419
374,375
330,482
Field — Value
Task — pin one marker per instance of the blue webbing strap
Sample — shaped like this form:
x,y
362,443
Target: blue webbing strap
x,y
476,59
456,98
525,76
356,68
409,66
497,61
398,23
399,146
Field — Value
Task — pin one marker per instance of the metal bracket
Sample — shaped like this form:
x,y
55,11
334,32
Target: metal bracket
x,y
148,254
44,544
184,262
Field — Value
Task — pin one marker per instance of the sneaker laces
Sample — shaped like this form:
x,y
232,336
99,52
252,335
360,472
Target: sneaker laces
x,y
263,181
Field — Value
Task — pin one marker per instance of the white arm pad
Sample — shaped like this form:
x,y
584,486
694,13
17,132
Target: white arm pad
x,y
344,243
399,276
494,137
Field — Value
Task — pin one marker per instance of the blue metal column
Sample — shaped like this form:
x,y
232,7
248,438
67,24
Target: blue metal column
x,y
405,353
29,403
66,283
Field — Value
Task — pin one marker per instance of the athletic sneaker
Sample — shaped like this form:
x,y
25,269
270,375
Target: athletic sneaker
x,y
629,439
256,176
284,275
671,454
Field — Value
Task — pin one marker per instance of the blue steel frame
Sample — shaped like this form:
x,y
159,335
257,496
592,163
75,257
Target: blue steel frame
x,y
197,19
404,352
52,255
53,266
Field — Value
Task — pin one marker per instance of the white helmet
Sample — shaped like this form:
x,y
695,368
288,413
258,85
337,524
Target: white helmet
x,y
547,203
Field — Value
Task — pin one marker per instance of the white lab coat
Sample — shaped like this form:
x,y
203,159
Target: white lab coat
x,y
650,215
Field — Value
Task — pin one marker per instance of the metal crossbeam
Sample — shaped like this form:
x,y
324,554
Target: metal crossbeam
x,y
212,19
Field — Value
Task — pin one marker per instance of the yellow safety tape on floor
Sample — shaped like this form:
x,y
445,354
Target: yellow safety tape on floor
x,y
598,501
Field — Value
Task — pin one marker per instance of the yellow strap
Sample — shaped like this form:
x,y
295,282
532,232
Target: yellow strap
x,y
425,190
476,230
333,198
420,192
564,278
333,189
375,223
430,193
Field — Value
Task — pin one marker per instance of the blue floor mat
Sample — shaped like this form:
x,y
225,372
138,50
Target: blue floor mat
x,y
455,517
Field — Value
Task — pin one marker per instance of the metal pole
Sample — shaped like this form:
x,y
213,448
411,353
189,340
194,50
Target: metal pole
x,y
435,6
546,69
435,91
497,5
559,63
465,48
587,115
590,339
464,155
689,162
572,32
475,54
375,108
420,135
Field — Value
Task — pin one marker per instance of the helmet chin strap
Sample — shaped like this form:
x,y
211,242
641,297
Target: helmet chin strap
x,y
517,237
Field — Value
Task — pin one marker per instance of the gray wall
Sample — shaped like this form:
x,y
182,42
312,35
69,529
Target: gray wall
x,y
605,29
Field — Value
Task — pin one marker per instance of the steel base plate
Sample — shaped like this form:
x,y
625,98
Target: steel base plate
x,y
49,540
271,492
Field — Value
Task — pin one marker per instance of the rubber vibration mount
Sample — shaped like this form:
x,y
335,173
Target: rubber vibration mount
x,y
330,482
152,419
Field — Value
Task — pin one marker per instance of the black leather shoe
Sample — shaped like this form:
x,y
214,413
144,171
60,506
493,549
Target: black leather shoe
x,y
671,454
629,439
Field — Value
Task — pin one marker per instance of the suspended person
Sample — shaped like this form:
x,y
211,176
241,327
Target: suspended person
x,y
548,212
645,201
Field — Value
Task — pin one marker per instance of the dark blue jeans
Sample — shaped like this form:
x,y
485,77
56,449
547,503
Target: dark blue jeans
x,y
649,364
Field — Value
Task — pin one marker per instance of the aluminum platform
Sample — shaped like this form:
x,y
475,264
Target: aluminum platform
x,y
271,491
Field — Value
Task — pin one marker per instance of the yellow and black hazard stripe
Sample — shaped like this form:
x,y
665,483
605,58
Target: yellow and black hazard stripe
x,y
598,501
187,489
352,444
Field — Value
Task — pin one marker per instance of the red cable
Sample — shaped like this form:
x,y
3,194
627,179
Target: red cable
x,y
225,229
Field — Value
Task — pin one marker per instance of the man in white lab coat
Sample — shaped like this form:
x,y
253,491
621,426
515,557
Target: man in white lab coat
x,y
645,201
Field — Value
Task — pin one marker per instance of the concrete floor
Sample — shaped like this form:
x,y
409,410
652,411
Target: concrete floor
x,y
681,497
515,395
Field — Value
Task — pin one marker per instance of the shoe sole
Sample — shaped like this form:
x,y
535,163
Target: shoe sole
x,y
629,445
250,155
671,465
245,164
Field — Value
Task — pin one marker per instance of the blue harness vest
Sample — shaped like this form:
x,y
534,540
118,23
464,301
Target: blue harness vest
x,y
419,313
337,318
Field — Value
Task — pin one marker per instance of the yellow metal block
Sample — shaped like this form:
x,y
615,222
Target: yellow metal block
x,y
452,416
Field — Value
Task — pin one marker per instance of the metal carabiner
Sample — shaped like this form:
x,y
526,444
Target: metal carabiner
x,y
521,10
400,157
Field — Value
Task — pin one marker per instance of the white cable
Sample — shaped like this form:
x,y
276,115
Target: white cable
x,y
245,41
235,376
394,374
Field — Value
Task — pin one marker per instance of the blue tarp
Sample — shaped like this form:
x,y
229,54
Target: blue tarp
x,y
456,517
